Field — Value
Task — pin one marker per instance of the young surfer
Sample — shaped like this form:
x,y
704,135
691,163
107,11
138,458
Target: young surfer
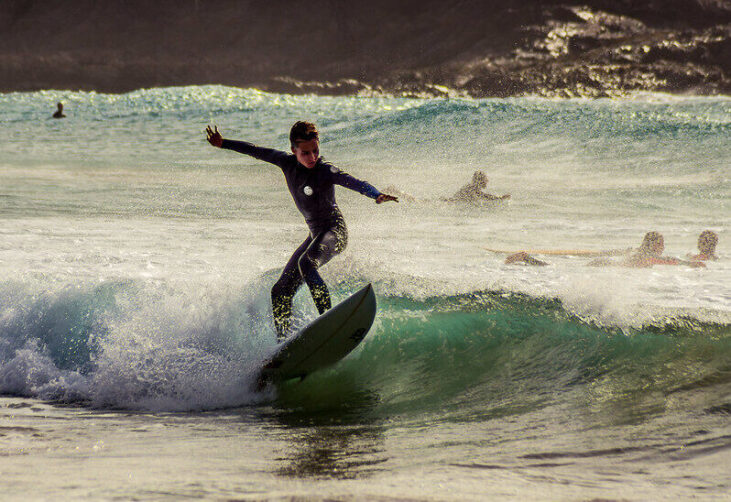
x,y
311,182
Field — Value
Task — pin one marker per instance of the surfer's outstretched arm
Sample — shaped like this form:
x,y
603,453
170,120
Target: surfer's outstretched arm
x,y
344,179
266,154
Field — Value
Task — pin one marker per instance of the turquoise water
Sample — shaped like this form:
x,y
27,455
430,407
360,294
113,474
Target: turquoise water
x,y
136,262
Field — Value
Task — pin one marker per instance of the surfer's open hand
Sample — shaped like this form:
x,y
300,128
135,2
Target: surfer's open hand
x,y
385,198
214,137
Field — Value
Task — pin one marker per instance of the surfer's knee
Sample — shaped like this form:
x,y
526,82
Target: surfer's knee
x,y
306,265
331,244
340,236
338,241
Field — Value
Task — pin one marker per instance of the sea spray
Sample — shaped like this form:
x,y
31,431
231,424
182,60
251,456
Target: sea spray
x,y
135,345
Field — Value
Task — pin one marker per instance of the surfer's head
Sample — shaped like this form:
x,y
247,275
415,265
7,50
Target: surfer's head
x,y
305,141
653,243
707,241
479,179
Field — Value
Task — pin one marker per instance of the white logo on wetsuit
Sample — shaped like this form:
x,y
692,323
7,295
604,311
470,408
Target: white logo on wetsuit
x,y
308,190
334,170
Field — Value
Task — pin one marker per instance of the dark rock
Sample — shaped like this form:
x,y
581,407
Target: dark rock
x,y
416,48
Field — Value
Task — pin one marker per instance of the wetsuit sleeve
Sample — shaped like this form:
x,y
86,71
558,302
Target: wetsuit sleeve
x,y
348,181
270,155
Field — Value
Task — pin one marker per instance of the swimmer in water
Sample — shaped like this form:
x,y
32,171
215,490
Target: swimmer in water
x,y
707,242
59,113
648,254
472,191
311,182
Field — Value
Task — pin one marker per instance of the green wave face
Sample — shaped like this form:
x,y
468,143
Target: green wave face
x,y
485,355
458,358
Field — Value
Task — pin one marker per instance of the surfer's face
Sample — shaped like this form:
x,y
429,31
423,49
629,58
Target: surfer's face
x,y
307,152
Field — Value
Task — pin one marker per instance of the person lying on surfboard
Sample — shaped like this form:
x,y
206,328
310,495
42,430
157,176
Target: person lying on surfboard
x,y
473,191
648,254
311,181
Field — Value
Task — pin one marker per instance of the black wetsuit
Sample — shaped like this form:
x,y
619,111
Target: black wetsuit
x,y
313,192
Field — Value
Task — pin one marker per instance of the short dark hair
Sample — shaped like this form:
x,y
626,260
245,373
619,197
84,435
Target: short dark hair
x,y
303,131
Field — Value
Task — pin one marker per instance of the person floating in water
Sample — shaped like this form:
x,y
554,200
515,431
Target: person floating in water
x,y
472,191
59,113
648,254
311,181
707,242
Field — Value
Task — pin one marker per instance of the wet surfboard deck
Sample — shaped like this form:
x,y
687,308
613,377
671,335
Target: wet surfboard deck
x,y
324,341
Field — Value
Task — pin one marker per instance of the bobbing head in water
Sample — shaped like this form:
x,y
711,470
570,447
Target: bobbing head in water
x,y
59,112
305,142
479,179
707,242
652,244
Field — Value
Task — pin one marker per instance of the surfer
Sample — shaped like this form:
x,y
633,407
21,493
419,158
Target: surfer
x,y
707,242
59,112
472,191
311,181
648,254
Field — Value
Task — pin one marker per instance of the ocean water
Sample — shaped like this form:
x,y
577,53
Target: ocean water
x,y
136,262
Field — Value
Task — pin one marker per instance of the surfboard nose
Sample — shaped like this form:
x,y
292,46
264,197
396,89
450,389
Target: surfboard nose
x,y
368,301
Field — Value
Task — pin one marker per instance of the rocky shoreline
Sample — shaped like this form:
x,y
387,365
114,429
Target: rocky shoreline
x,y
473,48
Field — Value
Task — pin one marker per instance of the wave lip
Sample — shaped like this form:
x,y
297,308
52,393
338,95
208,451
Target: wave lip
x,y
119,345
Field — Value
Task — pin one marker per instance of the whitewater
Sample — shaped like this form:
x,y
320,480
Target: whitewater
x,y
136,262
